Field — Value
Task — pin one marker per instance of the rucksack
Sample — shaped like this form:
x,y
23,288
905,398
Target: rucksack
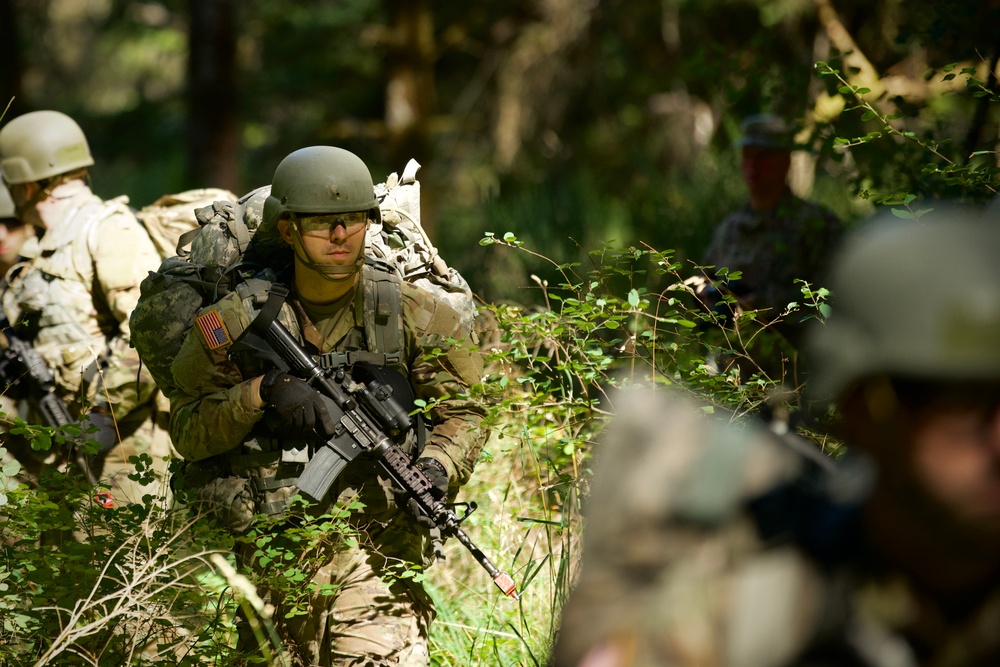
x,y
172,216
221,255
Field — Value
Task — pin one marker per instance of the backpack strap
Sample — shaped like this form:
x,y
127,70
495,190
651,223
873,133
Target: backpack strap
x,y
382,314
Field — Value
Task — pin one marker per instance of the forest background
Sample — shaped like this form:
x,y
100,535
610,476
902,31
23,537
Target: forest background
x,y
565,122
576,156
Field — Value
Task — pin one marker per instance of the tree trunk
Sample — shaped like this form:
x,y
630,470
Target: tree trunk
x,y
213,133
10,56
409,92
409,95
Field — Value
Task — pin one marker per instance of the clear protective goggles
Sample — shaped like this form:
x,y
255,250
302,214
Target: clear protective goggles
x,y
324,223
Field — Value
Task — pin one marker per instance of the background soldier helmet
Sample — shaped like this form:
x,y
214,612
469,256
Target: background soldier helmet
x,y
318,179
6,203
765,130
896,309
40,145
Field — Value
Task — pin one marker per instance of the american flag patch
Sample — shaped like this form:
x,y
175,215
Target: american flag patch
x,y
213,330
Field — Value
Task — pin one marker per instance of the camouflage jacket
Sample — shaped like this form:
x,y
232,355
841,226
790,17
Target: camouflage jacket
x,y
212,413
774,248
75,296
711,544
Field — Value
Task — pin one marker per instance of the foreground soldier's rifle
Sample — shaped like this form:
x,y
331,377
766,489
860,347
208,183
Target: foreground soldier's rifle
x,y
22,368
357,431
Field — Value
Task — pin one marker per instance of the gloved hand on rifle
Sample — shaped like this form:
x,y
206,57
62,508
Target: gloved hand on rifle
x,y
293,407
438,476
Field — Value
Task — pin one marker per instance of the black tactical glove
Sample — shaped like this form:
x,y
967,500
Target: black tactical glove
x,y
295,408
438,477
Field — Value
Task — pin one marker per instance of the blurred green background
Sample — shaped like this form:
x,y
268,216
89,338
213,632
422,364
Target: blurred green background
x,y
567,122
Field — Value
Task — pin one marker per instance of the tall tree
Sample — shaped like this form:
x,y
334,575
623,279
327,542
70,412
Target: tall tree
x,y
409,97
213,136
10,56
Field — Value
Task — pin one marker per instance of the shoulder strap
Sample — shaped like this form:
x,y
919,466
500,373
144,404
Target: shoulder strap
x,y
382,301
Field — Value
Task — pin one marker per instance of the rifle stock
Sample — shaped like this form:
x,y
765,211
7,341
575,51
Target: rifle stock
x,y
356,432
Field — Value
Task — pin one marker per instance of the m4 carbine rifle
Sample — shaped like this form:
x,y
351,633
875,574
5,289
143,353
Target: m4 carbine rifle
x,y
359,430
24,370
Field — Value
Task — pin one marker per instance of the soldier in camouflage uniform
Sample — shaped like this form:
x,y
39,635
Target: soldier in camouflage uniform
x,y
233,410
13,234
73,299
710,543
776,237
773,240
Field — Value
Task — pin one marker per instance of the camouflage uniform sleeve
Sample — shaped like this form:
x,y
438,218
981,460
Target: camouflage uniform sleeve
x,y
211,408
123,255
444,364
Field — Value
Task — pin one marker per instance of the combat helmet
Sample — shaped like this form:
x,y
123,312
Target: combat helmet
x,y
918,300
318,179
41,144
6,203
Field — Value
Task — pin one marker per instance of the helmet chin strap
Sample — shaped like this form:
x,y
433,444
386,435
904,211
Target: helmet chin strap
x,y
335,274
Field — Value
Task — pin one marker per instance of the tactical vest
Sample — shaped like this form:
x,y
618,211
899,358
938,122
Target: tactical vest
x,y
259,477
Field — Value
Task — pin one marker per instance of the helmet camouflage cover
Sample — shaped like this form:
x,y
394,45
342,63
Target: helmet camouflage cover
x,y
41,144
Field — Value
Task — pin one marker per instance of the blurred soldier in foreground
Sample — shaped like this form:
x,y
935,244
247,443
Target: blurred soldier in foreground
x,y
72,302
709,543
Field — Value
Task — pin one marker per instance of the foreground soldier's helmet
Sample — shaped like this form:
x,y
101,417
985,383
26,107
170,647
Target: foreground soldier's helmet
x,y
41,144
6,203
319,179
918,300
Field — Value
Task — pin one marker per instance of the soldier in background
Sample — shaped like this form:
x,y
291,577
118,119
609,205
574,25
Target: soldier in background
x,y
73,299
774,239
711,544
13,233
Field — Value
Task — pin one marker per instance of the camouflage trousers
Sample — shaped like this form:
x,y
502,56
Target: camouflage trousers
x,y
372,620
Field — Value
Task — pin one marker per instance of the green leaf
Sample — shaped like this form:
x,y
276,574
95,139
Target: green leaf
x,y
633,298
902,213
825,309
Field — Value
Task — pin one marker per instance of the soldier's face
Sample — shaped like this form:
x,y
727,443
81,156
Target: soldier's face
x,y
329,239
955,452
765,169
